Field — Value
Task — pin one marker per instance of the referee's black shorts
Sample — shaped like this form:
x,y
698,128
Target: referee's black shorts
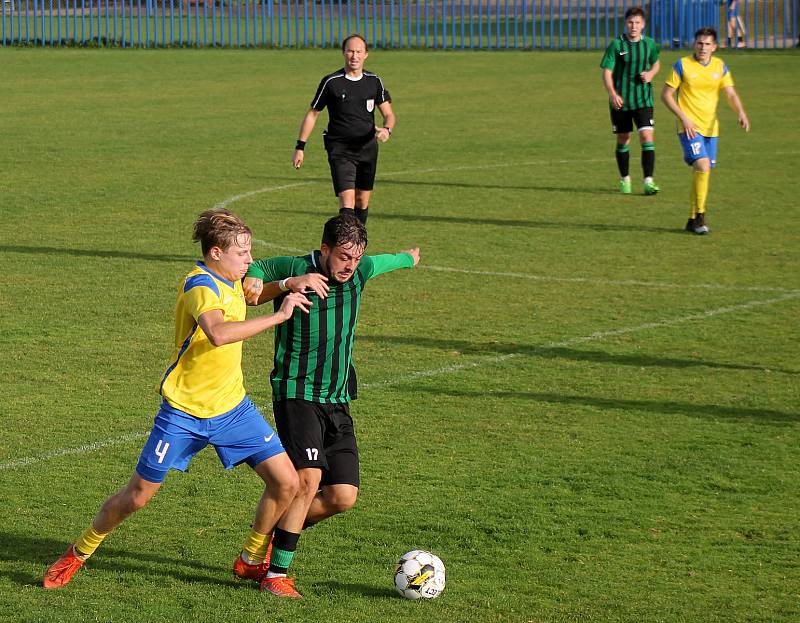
x,y
319,436
353,166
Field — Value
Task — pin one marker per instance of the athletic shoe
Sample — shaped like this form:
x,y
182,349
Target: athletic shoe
x,y
625,187
61,571
690,226
281,586
700,227
246,571
650,188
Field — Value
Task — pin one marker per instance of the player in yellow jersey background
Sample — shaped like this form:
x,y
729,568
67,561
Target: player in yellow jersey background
x,y
692,94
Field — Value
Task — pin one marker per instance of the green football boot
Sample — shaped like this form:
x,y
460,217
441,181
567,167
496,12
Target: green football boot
x,y
650,188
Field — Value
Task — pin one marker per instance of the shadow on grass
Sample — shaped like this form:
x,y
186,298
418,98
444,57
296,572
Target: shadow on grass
x,y
378,214
384,181
113,254
655,407
562,352
364,590
44,551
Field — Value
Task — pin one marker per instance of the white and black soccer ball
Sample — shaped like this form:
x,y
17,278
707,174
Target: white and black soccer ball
x,y
419,575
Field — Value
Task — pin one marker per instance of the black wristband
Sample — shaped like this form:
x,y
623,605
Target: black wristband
x,y
301,145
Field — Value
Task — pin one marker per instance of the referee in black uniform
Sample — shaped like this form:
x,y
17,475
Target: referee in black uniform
x,y
351,140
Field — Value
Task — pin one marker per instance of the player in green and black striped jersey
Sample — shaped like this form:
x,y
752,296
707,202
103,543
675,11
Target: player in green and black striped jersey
x,y
630,64
313,379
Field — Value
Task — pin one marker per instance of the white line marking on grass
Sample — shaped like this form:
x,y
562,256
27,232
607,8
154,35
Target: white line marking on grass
x,y
422,374
609,282
225,203
598,335
476,167
469,167
280,247
586,280
89,447
792,294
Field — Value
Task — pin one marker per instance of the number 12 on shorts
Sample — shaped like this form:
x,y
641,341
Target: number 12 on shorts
x,y
312,453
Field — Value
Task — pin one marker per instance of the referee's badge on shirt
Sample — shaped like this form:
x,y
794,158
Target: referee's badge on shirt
x,y
370,105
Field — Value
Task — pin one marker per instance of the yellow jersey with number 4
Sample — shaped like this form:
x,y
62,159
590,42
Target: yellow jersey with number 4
x,y
698,88
204,380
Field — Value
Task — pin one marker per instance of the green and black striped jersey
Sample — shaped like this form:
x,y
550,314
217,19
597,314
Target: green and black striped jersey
x,y
627,60
313,352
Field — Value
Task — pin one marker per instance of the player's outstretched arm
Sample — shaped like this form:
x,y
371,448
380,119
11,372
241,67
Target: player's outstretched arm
x,y
414,253
736,105
306,128
220,332
388,262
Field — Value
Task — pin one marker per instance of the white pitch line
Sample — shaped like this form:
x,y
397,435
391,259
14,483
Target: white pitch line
x,y
280,247
226,202
586,280
477,167
474,167
422,374
598,335
89,447
464,366
610,282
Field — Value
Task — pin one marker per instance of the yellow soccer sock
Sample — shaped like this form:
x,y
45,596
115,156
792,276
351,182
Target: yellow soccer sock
x,y
700,182
255,547
88,542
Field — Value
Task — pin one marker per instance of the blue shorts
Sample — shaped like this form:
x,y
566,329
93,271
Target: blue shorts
x,y
239,436
699,147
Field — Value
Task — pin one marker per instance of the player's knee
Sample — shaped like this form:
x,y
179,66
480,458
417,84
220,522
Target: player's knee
x,y
342,501
287,486
130,501
308,484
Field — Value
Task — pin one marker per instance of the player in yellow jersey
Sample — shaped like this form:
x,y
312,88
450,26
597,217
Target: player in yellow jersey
x,y
692,94
204,401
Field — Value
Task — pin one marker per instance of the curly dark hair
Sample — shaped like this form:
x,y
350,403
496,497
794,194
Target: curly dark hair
x,y
343,230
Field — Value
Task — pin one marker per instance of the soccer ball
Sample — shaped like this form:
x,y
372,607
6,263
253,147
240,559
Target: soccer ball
x,y
419,575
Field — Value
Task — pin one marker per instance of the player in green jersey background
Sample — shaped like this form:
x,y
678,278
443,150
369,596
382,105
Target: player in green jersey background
x,y
630,64
313,379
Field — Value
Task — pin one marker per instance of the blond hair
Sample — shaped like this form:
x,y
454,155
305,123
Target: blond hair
x,y
218,228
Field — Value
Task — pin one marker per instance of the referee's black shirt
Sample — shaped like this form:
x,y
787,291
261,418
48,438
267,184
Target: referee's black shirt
x,y
351,105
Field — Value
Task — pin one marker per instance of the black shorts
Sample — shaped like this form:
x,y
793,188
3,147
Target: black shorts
x,y
321,436
352,166
622,120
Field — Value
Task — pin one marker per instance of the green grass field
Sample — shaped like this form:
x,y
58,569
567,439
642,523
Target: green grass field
x,y
587,413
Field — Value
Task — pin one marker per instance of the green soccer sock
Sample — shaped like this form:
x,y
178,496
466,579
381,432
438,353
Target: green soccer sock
x,y
284,545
